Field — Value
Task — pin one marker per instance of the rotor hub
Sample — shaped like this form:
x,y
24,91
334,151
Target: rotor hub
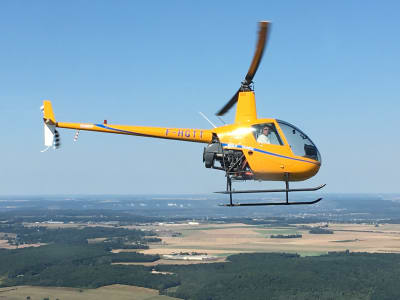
x,y
247,86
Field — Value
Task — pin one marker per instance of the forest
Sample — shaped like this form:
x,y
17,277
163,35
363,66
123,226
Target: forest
x,y
288,276
245,276
68,260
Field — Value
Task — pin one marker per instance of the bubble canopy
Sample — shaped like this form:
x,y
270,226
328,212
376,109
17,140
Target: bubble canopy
x,y
299,142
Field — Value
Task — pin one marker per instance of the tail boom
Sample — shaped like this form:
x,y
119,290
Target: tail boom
x,y
182,134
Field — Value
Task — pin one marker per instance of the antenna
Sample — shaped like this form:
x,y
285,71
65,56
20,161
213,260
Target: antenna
x,y
222,120
208,120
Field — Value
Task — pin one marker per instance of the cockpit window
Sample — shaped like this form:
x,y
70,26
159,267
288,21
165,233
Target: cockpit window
x,y
299,142
266,134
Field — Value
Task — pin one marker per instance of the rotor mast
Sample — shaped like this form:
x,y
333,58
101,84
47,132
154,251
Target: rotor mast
x,y
246,107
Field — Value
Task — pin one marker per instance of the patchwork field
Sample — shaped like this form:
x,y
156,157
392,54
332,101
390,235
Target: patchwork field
x,y
225,239
115,292
173,262
5,245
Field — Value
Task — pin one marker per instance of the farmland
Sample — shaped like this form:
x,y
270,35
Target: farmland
x,y
226,239
98,260
117,292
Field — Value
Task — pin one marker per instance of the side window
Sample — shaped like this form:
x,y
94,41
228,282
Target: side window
x,y
266,134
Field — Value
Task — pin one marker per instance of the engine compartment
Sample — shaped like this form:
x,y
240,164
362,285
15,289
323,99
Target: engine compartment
x,y
232,161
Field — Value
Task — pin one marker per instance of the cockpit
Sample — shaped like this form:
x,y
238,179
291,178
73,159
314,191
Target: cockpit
x,y
299,142
266,133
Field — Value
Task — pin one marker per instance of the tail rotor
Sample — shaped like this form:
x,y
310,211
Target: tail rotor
x,y
57,139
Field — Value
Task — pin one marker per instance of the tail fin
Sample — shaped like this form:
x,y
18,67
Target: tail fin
x,y
51,135
48,114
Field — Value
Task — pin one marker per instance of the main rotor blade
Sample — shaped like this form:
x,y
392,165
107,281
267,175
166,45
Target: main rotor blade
x,y
262,38
228,105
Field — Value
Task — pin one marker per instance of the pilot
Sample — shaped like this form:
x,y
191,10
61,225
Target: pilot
x,y
263,137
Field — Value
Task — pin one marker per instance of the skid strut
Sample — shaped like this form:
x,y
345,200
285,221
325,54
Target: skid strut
x,y
287,190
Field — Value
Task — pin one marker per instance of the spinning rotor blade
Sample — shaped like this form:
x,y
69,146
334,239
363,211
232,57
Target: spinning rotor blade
x,y
262,38
228,106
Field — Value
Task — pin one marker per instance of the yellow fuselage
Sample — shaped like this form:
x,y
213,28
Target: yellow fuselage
x,y
266,161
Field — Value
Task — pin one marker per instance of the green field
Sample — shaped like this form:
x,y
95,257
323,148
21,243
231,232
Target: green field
x,y
115,292
283,231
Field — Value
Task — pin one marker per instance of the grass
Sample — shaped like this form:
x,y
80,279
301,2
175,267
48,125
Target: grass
x,y
284,231
115,292
216,227
311,253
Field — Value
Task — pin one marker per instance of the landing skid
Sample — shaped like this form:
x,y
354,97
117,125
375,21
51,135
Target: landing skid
x,y
273,203
287,190
273,191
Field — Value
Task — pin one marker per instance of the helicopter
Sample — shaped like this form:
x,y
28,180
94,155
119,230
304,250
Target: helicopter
x,y
249,149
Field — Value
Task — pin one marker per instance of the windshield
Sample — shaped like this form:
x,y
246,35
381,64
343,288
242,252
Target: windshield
x,y
299,142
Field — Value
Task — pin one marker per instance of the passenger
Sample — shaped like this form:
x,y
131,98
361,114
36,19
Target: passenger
x,y
263,137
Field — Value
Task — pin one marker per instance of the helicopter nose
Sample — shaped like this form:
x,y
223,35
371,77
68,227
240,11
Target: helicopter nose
x,y
314,169
308,171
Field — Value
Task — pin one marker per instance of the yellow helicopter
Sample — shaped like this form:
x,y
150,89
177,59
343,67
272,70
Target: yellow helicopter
x,y
248,149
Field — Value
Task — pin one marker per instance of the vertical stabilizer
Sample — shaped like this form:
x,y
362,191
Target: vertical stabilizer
x,y
48,114
49,131
51,136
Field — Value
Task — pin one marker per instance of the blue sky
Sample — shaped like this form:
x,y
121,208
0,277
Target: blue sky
x,y
330,68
